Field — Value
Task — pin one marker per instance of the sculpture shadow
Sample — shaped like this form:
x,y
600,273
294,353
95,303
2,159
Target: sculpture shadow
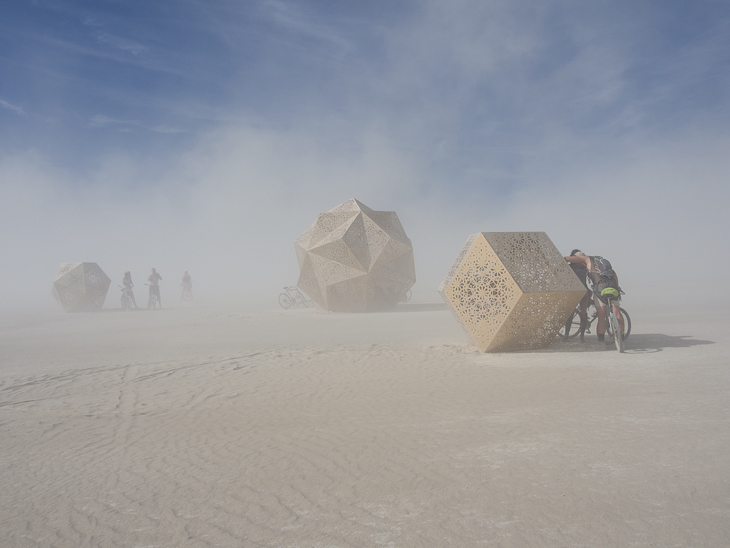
x,y
637,343
419,307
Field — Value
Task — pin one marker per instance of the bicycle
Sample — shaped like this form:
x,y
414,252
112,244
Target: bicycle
x,y
126,299
613,327
573,328
293,296
154,300
187,292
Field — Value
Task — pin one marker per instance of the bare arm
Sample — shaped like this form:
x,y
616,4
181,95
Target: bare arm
x,y
580,259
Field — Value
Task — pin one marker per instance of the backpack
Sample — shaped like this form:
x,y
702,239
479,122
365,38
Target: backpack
x,y
603,266
607,278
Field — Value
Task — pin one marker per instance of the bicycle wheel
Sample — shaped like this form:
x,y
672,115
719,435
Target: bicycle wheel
x,y
152,302
592,316
615,329
284,300
572,326
627,324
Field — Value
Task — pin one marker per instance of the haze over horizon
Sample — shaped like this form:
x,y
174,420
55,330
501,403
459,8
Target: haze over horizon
x,y
207,136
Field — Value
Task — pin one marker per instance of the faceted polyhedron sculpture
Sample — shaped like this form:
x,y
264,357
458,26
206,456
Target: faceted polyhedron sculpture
x,y
80,287
511,290
354,259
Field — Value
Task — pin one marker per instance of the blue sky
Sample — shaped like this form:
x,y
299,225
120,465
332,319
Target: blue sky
x,y
235,123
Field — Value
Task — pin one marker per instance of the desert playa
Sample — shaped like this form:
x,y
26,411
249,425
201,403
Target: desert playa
x,y
242,425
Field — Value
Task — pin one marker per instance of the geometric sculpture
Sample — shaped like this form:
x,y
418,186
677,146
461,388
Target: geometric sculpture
x,y
80,287
511,290
354,259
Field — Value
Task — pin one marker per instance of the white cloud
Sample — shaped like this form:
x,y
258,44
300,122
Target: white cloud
x,y
296,21
18,110
100,121
125,45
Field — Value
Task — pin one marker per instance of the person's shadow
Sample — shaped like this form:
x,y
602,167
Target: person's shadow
x,y
656,342
637,343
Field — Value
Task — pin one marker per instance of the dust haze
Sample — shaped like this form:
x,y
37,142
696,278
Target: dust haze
x,y
229,421
229,209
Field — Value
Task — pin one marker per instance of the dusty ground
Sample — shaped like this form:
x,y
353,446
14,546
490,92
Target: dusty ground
x,y
209,426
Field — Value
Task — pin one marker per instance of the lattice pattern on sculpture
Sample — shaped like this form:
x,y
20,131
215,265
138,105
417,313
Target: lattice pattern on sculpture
x,y
80,287
511,290
354,259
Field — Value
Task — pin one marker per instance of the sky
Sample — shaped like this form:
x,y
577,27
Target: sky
x,y
206,136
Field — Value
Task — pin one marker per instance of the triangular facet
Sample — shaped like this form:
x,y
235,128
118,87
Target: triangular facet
x,y
336,234
331,272
352,205
327,223
392,250
338,252
309,283
305,239
357,242
348,295
377,238
388,222
400,269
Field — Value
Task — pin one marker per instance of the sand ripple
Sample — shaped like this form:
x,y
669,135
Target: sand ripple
x,y
368,445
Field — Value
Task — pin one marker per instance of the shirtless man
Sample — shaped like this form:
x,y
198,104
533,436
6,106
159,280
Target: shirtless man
x,y
154,279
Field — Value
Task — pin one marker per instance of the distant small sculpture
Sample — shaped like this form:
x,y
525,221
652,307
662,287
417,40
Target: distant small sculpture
x,y
80,287
354,259
511,290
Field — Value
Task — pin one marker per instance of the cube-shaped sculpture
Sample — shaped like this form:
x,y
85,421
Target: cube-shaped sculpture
x,y
80,287
354,259
511,290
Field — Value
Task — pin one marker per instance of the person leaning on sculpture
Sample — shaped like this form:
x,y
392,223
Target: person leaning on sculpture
x,y
603,276
154,278
128,285
582,272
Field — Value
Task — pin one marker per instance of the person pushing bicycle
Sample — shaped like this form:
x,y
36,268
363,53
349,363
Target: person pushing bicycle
x,y
154,279
187,286
128,285
605,284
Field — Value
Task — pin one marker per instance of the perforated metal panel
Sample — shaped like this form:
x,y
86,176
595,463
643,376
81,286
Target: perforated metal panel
x,y
354,259
80,287
511,290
